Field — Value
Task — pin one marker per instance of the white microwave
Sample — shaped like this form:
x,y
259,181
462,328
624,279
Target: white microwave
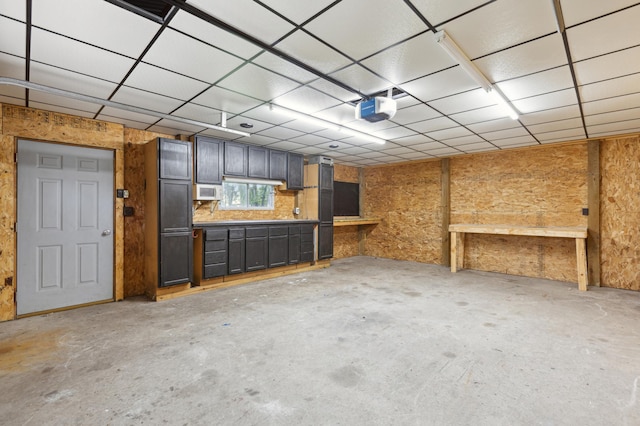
x,y
203,192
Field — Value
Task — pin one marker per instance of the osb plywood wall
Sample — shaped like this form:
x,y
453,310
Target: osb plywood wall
x,y
620,213
345,238
544,186
407,199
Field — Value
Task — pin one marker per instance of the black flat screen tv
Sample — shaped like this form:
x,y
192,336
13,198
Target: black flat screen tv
x,y
346,199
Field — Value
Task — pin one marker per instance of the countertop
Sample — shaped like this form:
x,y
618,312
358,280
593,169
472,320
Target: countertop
x,y
254,222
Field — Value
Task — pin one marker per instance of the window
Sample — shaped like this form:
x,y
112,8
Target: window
x,y
247,196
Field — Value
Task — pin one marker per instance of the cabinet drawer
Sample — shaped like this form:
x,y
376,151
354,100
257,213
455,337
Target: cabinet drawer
x,y
215,257
275,231
215,270
215,245
236,233
257,232
215,234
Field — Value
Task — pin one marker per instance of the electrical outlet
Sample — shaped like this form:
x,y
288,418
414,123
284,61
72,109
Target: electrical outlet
x,y
585,212
296,210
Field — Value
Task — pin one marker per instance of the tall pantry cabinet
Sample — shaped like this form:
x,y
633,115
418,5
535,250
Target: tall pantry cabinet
x,y
318,204
168,217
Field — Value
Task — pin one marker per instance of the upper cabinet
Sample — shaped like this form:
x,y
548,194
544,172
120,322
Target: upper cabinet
x,y
295,171
175,159
216,158
235,159
209,155
277,165
258,164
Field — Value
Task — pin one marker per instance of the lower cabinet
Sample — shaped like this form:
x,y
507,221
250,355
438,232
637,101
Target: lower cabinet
x,y
229,250
325,241
176,261
257,249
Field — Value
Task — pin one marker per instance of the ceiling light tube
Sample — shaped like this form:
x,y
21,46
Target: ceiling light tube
x,y
462,59
504,105
325,124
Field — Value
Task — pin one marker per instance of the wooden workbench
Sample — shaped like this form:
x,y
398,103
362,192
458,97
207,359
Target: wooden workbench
x,y
578,233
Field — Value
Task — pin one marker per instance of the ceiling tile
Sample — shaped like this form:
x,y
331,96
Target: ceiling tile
x,y
610,88
338,25
610,33
312,52
373,154
258,83
190,57
158,80
532,57
409,60
279,66
415,113
394,133
310,140
306,100
11,100
494,125
360,79
415,156
598,69
445,134
562,113
612,104
623,127
281,133
256,139
62,104
445,83
577,11
477,147
226,100
72,55
148,100
572,123
438,11
247,15
311,150
428,146
433,125
224,40
479,115
128,118
612,117
334,90
12,67
96,22
71,81
397,150
258,126
340,114
517,141
443,152
223,135
464,141
413,140
199,113
547,101
561,135
537,84
500,25
287,145
505,134
466,101
356,150
10,31
13,9
296,10
172,127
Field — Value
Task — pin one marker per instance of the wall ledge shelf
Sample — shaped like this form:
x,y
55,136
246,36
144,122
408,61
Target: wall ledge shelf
x,y
354,221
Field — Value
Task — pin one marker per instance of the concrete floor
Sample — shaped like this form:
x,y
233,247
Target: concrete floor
x,y
365,342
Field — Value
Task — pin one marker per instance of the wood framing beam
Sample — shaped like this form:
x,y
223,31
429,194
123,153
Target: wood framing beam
x,y
593,204
445,197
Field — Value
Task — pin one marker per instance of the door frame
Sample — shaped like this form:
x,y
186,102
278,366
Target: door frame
x,y
118,228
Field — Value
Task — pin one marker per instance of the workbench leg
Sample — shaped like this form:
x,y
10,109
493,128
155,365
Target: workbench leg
x,y
461,249
454,252
581,254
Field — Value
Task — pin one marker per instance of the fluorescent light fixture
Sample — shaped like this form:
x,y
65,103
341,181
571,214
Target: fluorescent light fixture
x,y
254,181
557,9
465,63
325,124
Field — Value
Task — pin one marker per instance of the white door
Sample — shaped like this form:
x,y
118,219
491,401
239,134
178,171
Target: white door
x,y
65,222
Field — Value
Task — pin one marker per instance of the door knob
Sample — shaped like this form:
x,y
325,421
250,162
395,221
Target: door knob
x,y
106,232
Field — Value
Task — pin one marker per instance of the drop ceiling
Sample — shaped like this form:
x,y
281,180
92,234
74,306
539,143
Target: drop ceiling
x,y
211,59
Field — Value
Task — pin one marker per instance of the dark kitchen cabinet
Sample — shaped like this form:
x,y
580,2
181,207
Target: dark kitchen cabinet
x,y
293,245
236,251
306,243
325,212
257,248
235,159
277,165
295,171
325,241
278,246
209,156
258,162
168,201
215,254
